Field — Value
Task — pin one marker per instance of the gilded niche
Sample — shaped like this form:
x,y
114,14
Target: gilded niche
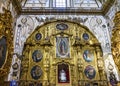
x,y
61,53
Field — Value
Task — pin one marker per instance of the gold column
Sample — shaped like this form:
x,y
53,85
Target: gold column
x,y
100,63
25,66
116,40
46,66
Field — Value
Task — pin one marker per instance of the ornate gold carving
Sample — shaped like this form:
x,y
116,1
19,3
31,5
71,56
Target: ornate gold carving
x,y
50,61
116,40
7,31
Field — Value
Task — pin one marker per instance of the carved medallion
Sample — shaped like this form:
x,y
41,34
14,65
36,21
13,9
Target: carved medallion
x,y
62,26
85,36
37,56
38,36
36,72
90,72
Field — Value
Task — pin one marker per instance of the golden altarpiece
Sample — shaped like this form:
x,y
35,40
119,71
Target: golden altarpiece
x,y
6,44
62,53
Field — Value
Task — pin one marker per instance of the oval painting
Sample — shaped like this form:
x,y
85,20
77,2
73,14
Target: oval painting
x,y
36,72
38,36
62,26
88,55
3,50
85,36
37,56
90,72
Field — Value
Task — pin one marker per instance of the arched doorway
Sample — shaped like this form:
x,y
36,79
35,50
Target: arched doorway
x,y
56,43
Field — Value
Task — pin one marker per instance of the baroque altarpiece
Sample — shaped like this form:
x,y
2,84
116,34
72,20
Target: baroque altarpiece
x,y
62,53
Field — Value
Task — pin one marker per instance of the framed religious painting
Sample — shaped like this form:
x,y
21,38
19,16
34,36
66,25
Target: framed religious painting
x,y
3,51
62,26
88,55
37,56
90,72
38,36
62,47
36,72
85,36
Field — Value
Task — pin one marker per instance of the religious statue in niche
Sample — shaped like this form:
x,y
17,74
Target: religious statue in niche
x,y
36,72
62,76
62,47
37,56
88,55
3,50
63,73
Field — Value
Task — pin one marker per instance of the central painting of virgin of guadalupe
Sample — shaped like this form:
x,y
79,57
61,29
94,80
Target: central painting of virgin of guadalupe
x,y
62,47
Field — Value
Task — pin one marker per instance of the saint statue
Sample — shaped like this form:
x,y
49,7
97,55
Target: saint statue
x,y
62,76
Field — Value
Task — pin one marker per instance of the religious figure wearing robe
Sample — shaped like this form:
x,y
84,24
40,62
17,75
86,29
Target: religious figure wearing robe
x,y
62,76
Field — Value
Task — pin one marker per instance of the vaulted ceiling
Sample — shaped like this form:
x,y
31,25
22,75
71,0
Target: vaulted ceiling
x,y
62,6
